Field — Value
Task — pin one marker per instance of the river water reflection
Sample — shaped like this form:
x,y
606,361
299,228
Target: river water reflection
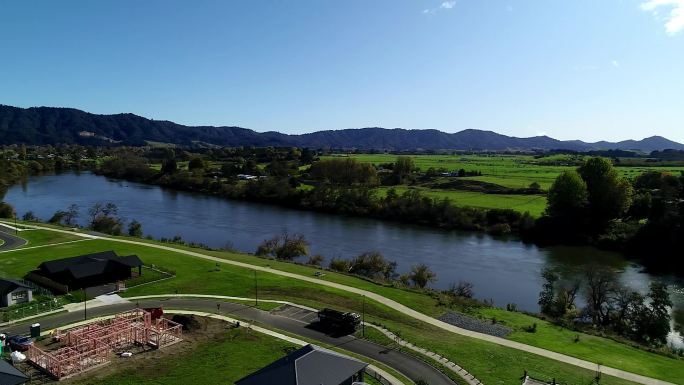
x,y
502,269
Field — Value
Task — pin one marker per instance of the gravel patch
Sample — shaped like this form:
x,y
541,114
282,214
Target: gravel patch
x,y
476,325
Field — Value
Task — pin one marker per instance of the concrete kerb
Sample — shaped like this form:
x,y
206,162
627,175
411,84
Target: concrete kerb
x,y
434,356
469,378
390,378
60,310
224,297
560,357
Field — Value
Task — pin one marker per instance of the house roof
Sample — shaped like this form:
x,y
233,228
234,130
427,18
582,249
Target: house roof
x,y
59,265
9,375
89,265
9,285
310,365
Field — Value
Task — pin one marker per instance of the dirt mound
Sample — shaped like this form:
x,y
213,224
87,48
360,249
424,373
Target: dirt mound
x,y
189,322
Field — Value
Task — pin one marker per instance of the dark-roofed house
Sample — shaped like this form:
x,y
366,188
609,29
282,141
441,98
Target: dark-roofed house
x,y
13,292
9,375
90,269
310,365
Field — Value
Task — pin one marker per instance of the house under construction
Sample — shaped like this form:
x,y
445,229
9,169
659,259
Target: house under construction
x,y
92,345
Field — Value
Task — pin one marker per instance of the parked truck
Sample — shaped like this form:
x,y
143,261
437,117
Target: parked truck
x,y
340,321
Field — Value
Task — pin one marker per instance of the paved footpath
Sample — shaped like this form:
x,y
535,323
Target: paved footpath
x,y
606,370
408,365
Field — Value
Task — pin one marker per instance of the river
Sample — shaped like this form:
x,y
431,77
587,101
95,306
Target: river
x,y
502,269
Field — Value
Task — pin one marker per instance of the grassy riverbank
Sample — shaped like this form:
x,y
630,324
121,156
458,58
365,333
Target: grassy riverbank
x,y
489,362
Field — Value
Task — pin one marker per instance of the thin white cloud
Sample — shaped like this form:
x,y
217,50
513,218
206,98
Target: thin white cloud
x,y
444,5
615,63
674,19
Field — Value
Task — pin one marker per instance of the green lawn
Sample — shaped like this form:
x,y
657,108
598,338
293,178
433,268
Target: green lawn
x,y
534,204
233,355
45,237
514,171
489,362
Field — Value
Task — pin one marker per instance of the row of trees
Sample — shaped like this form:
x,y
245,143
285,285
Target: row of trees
x,y
609,305
101,217
343,186
370,264
642,217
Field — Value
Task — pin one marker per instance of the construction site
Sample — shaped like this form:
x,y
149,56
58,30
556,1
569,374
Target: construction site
x,y
86,347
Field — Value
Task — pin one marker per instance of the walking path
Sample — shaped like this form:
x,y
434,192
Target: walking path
x,y
400,308
407,365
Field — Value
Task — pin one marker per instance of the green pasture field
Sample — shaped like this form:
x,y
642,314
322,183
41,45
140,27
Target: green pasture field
x,y
489,362
534,204
515,171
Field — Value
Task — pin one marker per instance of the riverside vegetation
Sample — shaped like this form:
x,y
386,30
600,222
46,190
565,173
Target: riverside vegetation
x,y
636,206
593,204
489,362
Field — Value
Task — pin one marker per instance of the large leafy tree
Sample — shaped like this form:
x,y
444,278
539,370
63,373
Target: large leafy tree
x,y
568,195
403,168
609,195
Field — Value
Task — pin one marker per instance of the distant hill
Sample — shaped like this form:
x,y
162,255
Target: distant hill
x,y
49,125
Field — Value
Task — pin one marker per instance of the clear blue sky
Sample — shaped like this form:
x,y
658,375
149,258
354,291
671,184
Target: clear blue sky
x,y
587,69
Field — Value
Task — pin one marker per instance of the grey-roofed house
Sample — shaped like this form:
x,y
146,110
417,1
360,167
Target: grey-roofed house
x,y
310,365
9,375
90,269
13,292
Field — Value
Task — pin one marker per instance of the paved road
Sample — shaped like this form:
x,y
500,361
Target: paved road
x,y
11,241
410,366
606,370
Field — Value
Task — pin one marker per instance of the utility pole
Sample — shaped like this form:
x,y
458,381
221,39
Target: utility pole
x,y
85,306
256,290
363,317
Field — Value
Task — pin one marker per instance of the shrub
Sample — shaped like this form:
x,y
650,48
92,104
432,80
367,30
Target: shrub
x,y
500,229
6,210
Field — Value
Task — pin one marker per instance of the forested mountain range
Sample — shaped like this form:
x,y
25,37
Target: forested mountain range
x,y
51,125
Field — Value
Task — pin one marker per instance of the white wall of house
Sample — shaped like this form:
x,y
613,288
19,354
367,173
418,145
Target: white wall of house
x,y
18,295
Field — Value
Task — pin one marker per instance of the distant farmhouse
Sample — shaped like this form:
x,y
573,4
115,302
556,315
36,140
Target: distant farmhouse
x,y
13,292
310,365
86,270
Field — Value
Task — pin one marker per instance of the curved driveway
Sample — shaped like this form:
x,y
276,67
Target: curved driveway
x,y
402,309
11,241
410,366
